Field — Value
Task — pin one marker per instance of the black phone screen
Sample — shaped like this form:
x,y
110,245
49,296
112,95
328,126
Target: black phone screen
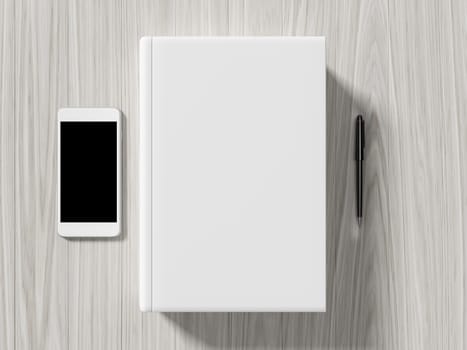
x,y
88,171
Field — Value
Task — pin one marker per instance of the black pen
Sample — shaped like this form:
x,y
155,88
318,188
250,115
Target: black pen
x,y
359,156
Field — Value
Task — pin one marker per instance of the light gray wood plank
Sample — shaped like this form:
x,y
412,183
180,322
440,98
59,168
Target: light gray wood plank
x,y
208,17
7,176
94,38
297,13
200,330
236,17
133,26
428,180
40,255
459,43
263,17
358,258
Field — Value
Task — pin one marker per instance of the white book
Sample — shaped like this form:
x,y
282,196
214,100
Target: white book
x,y
232,174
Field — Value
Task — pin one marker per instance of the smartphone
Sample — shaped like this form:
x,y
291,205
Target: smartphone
x,y
89,172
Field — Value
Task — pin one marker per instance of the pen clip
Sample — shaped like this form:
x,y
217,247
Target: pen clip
x,y
363,137
359,138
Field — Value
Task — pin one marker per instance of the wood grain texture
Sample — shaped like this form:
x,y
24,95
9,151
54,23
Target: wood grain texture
x,y
399,282
425,123
41,296
7,176
459,43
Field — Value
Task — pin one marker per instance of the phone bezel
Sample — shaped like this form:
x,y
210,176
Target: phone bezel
x,y
91,229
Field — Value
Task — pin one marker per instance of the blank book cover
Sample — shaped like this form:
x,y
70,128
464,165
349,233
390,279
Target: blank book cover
x,y
232,174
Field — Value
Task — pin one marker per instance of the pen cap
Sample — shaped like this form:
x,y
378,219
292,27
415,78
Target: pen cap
x,y
359,138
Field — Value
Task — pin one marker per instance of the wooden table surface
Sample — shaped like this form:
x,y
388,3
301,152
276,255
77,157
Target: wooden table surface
x,y
398,283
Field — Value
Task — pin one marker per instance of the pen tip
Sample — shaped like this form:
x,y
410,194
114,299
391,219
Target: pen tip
x,y
359,220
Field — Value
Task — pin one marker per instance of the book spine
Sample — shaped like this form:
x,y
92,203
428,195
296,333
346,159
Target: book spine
x,y
145,170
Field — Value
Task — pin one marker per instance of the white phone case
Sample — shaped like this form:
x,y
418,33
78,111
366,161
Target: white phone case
x,y
91,229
